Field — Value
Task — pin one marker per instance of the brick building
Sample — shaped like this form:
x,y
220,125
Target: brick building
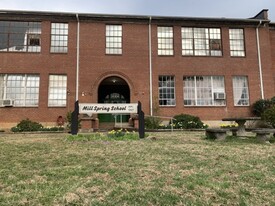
x,y
208,67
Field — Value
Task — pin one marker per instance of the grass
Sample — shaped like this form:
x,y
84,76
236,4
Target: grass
x,y
178,168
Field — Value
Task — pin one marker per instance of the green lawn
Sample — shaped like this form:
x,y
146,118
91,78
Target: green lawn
x,y
179,168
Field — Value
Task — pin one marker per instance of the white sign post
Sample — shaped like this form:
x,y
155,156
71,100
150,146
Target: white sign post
x,y
107,108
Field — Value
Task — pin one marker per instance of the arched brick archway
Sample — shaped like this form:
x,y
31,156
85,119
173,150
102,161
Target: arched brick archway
x,y
113,89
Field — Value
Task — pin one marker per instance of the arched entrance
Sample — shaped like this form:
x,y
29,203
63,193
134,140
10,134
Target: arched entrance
x,y
113,90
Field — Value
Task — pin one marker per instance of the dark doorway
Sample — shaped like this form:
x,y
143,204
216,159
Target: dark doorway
x,y
113,90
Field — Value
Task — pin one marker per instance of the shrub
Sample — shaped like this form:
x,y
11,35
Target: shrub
x,y
261,105
269,116
152,122
27,126
186,121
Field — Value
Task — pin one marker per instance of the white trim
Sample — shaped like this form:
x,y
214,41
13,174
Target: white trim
x,y
77,59
150,67
259,60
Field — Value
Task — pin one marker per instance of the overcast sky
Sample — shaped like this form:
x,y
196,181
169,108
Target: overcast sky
x,y
186,8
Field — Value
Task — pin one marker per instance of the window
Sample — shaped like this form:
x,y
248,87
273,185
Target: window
x,y
165,41
59,37
113,39
22,88
240,90
204,91
57,91
201,41
167,91
236,37
20,36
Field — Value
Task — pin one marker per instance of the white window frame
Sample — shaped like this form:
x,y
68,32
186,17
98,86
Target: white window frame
x,y
167,83
201,41
19,36
240,91
57,94
165,41
59,37
193,91
23,89
113,39
237,42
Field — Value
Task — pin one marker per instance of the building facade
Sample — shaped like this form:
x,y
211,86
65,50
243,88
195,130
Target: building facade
x,y
209,67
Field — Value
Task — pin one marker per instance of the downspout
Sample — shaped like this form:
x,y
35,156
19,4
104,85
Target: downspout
x,y
77,58
259,60
150,67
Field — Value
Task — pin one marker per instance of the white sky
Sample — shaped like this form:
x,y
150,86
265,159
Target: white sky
x,y
185,8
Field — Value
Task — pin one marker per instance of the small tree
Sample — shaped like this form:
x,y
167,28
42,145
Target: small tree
x,y
152,122
269,116
261,105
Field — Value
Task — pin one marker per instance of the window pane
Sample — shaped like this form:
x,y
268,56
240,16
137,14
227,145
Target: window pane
x,y
59,37
57,90
165,41
236,37
166,91
240,90
20,88
113,39
203,90
201,41
20,36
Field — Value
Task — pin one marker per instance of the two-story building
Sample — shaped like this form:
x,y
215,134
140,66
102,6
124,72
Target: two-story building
x,y
208,67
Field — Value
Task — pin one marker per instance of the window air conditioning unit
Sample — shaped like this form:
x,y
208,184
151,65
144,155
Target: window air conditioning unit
x,y
8,102
219,95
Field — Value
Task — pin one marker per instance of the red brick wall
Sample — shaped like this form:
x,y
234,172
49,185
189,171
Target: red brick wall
x,y
227,66
44,64
133,67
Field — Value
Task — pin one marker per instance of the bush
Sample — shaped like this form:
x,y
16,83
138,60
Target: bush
x,y
31,126
269,116
186,121
27,126
261,105
152,122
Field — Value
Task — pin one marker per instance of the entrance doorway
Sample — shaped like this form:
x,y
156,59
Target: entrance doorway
x,y
113,90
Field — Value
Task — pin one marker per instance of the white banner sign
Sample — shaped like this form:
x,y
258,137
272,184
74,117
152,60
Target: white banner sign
x,y
107,108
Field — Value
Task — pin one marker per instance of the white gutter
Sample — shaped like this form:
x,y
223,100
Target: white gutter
x,y
77,59
150,67
259,60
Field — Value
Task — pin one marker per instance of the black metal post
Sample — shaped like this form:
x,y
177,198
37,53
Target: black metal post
x,y
74,126
141,128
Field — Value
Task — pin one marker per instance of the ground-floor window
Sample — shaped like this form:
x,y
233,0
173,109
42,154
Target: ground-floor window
x,y
22,89
167,91
57,91
240,90
204,90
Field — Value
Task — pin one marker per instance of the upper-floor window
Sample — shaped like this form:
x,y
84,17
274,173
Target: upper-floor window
x,y
165,40
201,41
204,91
236,37
59,37
167,91
57,91
240,91
22,89
16,36
113,39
